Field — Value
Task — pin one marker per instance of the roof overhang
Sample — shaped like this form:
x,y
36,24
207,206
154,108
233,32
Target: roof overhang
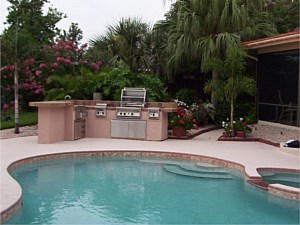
x,y
278,43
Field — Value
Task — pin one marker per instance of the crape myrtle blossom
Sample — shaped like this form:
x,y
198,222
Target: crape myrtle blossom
x,y
38,73
63,57
55,65
5,107
42,66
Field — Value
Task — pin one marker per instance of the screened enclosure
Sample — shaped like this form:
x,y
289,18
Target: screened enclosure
x,y
278,87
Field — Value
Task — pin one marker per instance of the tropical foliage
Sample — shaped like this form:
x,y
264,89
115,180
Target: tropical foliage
x,y
109,82
285,14
126,43
197,30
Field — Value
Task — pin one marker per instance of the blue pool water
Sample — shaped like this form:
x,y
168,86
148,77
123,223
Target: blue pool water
x,y
143,191
281,177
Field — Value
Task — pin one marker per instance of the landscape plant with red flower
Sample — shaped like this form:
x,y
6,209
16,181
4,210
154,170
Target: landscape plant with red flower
x,y
241,125
182,118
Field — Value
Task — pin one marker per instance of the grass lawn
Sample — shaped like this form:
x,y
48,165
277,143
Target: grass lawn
x,y
25,119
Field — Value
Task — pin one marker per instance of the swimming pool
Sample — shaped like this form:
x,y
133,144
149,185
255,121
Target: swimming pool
x,y
117,190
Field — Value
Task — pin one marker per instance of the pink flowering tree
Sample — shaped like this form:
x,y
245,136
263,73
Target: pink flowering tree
x,y
64,58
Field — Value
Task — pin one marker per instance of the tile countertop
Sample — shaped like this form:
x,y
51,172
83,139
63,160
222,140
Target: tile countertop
x,y
164,106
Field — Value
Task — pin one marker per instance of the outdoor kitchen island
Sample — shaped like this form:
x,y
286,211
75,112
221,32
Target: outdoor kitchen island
x,y
69,120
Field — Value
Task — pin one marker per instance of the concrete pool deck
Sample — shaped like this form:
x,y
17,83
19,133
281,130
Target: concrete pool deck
x,y
251,155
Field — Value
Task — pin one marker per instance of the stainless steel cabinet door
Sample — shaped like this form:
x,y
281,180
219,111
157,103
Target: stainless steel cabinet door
x,y
133,129
119,128
137,129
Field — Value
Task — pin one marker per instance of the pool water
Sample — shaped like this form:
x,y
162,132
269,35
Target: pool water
x,y
280,177
143,191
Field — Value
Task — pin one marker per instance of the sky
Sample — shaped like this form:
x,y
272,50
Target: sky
x,y
93,16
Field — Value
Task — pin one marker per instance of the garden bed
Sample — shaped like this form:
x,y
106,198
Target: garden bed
x,y
193,132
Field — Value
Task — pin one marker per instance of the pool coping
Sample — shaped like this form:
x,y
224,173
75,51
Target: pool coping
x,y
274,189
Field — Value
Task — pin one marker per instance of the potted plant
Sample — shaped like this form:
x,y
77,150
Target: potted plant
x,y
181,122
241,128
227,128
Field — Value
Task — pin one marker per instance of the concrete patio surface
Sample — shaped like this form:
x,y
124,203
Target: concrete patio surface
x,y
252,155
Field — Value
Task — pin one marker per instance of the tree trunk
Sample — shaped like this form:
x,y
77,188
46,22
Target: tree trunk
x,y
16,92
213,97
16,99
231,115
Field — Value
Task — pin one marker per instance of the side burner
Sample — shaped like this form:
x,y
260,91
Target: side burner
x,y
100,110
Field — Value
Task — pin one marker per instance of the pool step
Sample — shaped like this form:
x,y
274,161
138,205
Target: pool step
x,y
177,169
207,165
201,165
212,170
163,161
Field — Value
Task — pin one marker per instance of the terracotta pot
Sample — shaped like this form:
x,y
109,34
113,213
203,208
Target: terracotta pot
x,y
179,131
241,133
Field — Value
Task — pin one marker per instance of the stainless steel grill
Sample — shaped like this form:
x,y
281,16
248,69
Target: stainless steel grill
x,y
129,122
132,101
133,97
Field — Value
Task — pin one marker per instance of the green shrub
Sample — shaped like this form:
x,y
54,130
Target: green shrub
x,y
246,110
109,81
156,90
222,112
242,110
189,96
114,80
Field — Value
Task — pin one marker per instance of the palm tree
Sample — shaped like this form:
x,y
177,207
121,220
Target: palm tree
x,y
199,29
232,81
128,42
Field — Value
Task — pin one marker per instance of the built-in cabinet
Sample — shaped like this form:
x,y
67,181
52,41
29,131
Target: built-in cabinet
x,y
131,129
